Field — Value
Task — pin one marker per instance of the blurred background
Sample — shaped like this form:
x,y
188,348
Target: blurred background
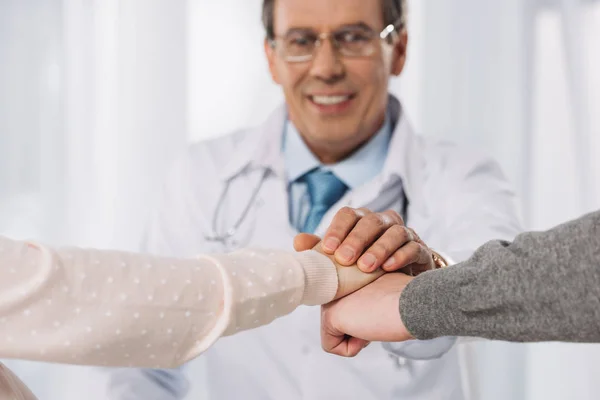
x,y
98,96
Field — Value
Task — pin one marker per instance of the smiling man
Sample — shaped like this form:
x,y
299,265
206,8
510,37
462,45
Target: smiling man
x,y
339,140
335,74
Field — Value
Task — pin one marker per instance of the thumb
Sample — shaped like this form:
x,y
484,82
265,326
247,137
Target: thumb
x,y
305,241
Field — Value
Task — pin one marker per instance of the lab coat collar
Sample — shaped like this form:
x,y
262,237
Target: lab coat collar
x,y
261,148
403,153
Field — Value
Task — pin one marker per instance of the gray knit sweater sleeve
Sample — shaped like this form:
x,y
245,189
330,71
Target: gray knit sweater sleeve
x,y
541,287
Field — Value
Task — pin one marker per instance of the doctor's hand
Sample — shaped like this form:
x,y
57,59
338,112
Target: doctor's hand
x,y
350,279
373,240
371,314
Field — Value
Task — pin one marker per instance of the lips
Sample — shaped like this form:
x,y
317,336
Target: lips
x,y
331,104
330,100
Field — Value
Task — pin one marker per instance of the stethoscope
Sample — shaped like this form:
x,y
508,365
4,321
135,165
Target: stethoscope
x,y
409,351
222,238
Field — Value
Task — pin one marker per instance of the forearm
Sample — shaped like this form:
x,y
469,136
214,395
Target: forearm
x,y
543,286
119,309
266,285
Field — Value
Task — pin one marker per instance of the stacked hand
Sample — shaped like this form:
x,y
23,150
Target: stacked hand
x,y
364,245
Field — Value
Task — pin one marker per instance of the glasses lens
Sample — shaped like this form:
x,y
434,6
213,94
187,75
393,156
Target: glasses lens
x,y
299,45
355,42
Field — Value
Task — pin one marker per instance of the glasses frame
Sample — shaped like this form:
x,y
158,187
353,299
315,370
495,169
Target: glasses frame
x,y
389,30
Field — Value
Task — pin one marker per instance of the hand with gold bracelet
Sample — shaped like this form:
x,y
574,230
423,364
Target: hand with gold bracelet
x,y
374,241
364,246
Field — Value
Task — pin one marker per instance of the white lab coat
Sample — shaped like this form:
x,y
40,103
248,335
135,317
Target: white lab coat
x,y
457,200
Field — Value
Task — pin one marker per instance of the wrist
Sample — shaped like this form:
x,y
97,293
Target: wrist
x,y
349,278
352,279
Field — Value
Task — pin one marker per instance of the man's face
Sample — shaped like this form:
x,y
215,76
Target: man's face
x,y
336,102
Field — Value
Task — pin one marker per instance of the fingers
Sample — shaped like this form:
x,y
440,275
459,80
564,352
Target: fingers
x,y
348,347
390,242
330,336
335,342
382,237
413,255
343,222
366,231
305,241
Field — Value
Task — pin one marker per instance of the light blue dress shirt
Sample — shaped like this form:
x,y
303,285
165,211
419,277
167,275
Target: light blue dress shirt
x,y
356,170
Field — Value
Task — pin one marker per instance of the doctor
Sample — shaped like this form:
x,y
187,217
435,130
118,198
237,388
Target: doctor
x,y
340,140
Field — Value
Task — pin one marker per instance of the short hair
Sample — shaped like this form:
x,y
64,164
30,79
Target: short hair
x,y
394,13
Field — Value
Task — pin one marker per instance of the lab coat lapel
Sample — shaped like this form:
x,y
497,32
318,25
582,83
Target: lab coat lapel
x,y
261,147
405,164
261,150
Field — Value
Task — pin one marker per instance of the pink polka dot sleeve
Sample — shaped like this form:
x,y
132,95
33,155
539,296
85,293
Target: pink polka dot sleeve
x,y
111,308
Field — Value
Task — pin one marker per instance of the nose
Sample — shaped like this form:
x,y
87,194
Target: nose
x,y
326,63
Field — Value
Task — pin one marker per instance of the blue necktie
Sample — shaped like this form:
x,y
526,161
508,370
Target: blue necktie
x,y
324,190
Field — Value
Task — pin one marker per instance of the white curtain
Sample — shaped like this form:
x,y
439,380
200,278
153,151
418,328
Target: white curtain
x,y
93,107
565,137
98,96
520,78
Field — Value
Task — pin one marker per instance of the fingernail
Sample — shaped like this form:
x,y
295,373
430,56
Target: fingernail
x,y
346,253
389,263
331,244
368,261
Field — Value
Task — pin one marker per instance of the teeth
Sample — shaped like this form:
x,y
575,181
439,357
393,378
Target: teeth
x,y
329,100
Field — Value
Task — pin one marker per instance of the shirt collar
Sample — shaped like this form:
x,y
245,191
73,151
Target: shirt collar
x,y
356,170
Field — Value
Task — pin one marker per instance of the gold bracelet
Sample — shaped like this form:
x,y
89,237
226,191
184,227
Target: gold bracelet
x,y
438,260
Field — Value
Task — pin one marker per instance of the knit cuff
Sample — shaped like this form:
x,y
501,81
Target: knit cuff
x,y
321,279
429,304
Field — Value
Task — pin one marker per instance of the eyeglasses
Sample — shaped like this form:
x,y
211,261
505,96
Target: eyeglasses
x,y
354,41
